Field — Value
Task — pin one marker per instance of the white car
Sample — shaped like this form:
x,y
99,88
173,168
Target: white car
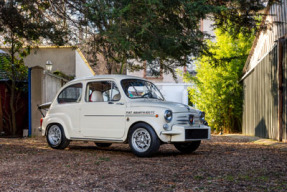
x,y
110,109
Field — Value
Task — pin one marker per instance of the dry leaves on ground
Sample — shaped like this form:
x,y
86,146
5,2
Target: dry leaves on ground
x,y
221,164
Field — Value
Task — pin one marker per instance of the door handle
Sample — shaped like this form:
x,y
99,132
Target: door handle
x,y
120,103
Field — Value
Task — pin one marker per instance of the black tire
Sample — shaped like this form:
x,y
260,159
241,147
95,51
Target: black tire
x,y
56,137
103,144
143,141
187,147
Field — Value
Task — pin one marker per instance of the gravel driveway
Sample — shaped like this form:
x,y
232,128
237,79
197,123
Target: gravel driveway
x,y
221,164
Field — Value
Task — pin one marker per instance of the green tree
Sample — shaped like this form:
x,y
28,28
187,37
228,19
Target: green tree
x,y
217,90
22,25
169,30
164,29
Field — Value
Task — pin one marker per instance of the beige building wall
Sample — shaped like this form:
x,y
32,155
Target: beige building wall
x,y
63,59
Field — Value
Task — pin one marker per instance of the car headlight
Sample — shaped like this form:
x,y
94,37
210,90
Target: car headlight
x,y
202,115
168,115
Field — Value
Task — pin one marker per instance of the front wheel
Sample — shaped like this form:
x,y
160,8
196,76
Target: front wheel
x,y
187,147
56,137
143,140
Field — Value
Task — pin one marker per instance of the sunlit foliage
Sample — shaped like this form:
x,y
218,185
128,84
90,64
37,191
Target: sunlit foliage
x,y
217,90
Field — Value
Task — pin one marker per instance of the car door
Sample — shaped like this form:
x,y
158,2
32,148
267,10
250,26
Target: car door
x,y
103,112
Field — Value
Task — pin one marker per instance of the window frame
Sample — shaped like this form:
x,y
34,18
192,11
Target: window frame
x,y
87,94
78,99
126,94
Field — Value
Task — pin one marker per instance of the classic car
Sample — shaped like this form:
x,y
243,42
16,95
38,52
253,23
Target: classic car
x,y
110,109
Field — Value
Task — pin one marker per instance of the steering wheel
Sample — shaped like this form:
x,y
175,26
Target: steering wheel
x,y
146,94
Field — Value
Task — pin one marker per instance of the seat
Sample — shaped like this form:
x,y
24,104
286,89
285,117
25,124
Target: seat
x,y
116,97
96,96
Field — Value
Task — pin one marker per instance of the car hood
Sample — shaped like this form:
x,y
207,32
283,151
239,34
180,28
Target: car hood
x,y
175,107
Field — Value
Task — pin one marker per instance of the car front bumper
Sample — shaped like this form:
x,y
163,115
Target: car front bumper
x,y
181,133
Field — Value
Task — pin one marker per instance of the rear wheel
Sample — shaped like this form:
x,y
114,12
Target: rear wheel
x,y
187,147
143,140
103,144
56,137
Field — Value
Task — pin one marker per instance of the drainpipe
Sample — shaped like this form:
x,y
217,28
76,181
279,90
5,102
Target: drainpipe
x,y
29,103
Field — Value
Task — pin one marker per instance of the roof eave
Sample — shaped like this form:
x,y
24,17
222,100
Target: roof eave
x,y
256,40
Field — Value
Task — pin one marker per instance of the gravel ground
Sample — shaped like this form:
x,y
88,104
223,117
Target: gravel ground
x,y
221,164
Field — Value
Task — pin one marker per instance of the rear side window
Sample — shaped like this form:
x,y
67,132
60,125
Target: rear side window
x,y
71,94
102,91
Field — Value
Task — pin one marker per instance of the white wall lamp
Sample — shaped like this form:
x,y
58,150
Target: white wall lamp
x,y
49,65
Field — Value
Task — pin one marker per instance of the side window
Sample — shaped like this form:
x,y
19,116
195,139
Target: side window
x,y
71,94
102,91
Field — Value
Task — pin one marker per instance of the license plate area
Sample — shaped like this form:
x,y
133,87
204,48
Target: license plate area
x,y
196,134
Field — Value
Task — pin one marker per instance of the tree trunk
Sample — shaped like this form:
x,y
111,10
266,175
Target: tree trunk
x,y
123,63
13,89
122,68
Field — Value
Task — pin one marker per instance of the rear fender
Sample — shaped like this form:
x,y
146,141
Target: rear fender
x,y
64,124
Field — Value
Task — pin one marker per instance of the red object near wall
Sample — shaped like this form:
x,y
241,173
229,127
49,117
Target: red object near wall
x,y
5,112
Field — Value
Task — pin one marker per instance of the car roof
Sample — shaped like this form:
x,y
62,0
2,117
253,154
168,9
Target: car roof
x,y
112,76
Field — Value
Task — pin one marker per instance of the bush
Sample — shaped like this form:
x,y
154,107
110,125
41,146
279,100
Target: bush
x,y
217,90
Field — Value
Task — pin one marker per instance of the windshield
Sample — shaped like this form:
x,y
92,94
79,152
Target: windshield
x,y
137,88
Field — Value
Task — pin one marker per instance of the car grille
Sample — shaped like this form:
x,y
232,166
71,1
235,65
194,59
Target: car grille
x,y
184,119
196,134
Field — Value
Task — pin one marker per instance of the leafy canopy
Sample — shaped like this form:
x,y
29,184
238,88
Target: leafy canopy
x,y
217,90
27,23
164,29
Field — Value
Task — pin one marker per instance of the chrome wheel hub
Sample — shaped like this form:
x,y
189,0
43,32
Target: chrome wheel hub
x,y
141,140
55,135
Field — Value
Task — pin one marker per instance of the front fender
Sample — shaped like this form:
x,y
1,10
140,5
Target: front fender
x,y
154,116
155,123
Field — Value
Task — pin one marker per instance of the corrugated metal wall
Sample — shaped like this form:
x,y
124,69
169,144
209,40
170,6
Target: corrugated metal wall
x,y
276,23
260,111
284,119
261,102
